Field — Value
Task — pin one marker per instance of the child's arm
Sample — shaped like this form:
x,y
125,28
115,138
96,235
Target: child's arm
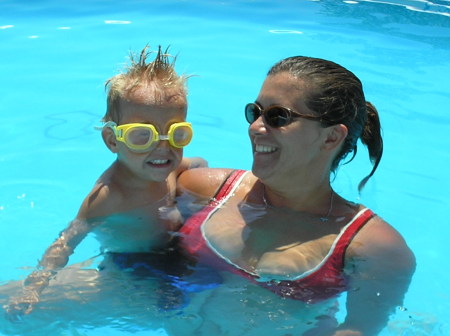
x,y
55,258
57,254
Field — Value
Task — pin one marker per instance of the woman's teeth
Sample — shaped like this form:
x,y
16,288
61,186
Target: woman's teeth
x,y
264,149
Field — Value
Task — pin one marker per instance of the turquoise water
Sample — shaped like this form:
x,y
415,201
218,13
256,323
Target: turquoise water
x,y
56,55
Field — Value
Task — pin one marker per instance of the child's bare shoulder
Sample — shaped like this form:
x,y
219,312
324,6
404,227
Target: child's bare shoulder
x,y
104,199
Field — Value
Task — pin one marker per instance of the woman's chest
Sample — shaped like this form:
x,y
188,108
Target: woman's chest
x,y
269,243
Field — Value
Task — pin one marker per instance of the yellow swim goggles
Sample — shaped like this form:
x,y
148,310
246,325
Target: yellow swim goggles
x,y
140,137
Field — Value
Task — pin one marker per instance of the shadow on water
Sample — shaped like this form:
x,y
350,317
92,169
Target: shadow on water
x,y
62,125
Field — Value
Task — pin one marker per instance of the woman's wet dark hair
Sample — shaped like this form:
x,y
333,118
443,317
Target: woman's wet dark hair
x,y
336,95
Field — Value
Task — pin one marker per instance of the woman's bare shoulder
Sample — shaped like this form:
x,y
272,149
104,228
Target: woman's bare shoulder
x,y
381,242
380,233
202,182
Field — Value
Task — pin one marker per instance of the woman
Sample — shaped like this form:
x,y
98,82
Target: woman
x,y
282,226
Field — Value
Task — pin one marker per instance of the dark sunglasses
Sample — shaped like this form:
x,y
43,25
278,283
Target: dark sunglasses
x,y
275,116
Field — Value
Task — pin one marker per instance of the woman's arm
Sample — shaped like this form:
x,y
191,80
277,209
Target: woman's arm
x,y
380,269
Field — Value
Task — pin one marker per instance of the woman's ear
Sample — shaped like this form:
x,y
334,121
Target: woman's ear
x,y
109,138
336,134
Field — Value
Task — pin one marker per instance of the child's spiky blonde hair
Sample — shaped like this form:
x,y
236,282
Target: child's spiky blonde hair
x,y
158,78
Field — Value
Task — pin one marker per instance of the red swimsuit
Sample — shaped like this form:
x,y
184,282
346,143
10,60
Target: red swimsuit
x,y
324,281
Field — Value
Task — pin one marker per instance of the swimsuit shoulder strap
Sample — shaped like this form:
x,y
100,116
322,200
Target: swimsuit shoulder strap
x,y
228,185
350,231
192,227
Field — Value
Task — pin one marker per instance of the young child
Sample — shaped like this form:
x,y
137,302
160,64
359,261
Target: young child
x,y
131,208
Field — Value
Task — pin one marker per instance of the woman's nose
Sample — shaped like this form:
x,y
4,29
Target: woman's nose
x,y
257,127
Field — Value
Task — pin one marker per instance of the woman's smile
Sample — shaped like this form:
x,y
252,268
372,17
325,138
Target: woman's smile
x,y
265,149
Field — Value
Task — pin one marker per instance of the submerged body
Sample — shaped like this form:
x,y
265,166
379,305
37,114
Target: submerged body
x,y
303,259
323,276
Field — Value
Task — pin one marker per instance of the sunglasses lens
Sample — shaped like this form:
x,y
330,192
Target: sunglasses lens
x,y
252,112
139,137
182,136
277,117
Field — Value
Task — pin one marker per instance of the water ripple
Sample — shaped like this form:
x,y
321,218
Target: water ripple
x,y
418,6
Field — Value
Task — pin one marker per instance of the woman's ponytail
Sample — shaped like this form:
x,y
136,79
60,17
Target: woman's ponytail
x,y
371,137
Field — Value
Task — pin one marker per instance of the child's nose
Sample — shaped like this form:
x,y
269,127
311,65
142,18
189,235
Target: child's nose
x,y
163,144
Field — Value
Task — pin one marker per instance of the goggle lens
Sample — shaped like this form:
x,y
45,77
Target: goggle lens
x,y
180,135
139,137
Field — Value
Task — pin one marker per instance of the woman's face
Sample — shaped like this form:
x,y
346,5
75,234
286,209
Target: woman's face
x,y
290,150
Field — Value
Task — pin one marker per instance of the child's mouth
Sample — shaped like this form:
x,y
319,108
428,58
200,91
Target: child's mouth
x,y
159,163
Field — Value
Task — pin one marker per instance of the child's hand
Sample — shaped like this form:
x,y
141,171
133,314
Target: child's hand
x,y
190,163
19,306
197,162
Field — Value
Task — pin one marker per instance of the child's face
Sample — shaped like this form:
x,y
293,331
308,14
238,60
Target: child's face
x,y
161,158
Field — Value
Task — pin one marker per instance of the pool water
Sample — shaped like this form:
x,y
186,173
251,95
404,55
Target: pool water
x,y
56,55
